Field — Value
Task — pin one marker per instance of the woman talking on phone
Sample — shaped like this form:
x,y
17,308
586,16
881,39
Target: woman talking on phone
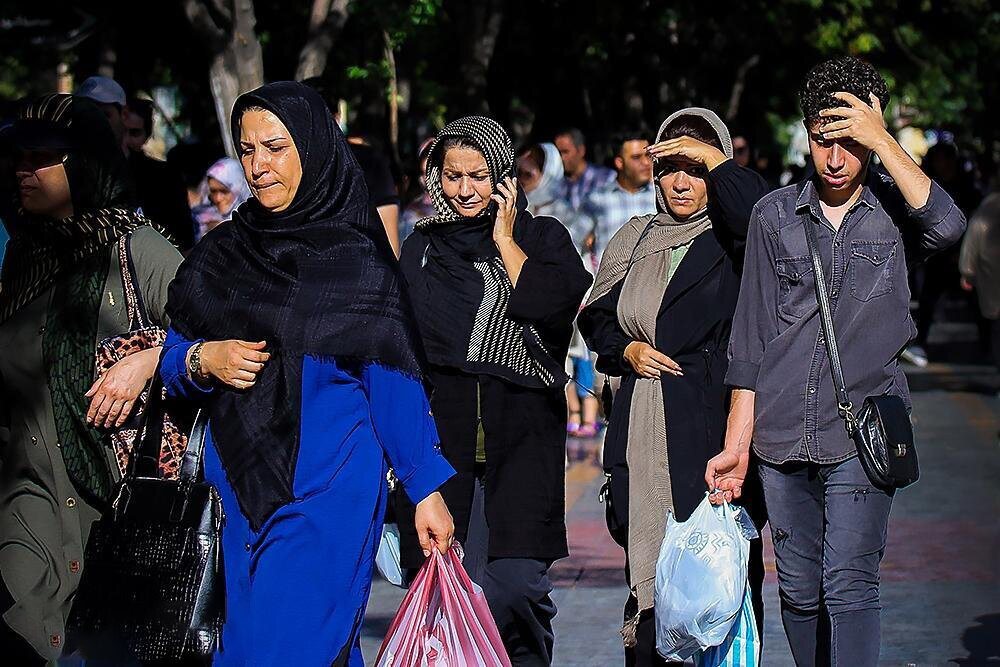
x,y
495,291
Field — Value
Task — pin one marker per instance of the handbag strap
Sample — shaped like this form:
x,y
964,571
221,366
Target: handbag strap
x,y
145,458
138,317
191,464
829,334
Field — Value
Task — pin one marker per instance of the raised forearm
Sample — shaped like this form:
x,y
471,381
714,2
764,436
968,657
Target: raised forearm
x,y
912,182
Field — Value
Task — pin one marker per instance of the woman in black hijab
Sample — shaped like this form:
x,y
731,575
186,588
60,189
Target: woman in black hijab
x,y
495,291
62,292
291,328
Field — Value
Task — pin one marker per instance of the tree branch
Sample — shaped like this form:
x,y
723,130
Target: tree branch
x,y
212,25
739,84
326,20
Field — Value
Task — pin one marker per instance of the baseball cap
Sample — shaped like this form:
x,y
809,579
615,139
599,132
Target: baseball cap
x,y
103,90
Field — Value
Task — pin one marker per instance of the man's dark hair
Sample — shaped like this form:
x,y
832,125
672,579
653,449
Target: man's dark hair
x,y
846,74
575,135
621,138
144,110
692,126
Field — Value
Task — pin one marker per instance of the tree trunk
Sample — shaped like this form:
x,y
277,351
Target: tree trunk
x,y
325,22
478,25
228,26
738,85
393,92
225,84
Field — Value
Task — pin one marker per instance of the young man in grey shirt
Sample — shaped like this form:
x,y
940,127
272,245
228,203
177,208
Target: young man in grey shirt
x,y
828,521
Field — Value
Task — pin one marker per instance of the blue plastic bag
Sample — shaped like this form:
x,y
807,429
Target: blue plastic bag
x,y
701,578
387,558
742,645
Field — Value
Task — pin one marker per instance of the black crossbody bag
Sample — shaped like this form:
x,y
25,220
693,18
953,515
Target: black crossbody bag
x,y
152,581
881,430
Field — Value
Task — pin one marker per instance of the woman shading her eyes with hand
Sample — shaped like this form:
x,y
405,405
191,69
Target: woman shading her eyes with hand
x,y
291,329
495,291
659,318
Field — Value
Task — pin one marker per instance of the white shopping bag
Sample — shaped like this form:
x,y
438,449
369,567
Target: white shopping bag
x,y
701,578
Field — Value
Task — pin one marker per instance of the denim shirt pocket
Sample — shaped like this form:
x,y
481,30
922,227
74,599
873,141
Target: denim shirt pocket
x,y
872,267
796,293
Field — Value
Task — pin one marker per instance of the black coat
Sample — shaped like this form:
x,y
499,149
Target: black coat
x,y
524,429
692,328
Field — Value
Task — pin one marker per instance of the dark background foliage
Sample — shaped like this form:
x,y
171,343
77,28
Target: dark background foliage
x,y
536,65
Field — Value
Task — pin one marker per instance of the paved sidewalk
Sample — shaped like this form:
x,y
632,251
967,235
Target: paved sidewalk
x,y
940,575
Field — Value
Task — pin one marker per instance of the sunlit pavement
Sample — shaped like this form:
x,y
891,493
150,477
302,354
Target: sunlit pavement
x,y
940,575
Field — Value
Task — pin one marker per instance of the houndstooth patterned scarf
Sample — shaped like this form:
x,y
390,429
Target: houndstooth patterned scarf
x,y
464,279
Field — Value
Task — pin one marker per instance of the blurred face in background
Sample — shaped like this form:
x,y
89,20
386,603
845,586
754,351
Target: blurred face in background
x,y
840,163
634,166
135,132
465,180
741,151
270,160
42,184
683,184
529,173
573,156
221,197
115,114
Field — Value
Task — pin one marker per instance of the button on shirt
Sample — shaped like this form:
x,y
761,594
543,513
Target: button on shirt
x,y
776,348
608,209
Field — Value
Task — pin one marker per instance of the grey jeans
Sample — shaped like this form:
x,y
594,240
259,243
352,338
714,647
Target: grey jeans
x,y
828,524
517,590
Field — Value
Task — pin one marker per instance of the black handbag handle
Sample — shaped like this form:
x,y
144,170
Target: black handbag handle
x,y
145,458
844,405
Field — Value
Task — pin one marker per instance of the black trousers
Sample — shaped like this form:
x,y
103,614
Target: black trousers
x,y
517,589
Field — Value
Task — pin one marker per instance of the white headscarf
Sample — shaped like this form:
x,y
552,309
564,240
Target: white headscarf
x,y
229,172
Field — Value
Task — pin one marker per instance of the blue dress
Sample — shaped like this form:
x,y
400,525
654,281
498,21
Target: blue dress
x,y
296,590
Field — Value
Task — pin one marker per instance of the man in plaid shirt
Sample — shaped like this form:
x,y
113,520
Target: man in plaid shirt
x,y
632,193
582,177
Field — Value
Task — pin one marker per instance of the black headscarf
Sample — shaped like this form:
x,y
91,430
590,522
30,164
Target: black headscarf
x,y
71,257
462,290
316,279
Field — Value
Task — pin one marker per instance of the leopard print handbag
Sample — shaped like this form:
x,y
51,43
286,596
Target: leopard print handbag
x,y
142,335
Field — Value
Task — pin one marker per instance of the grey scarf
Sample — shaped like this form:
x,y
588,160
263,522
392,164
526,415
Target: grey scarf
x,y
640,255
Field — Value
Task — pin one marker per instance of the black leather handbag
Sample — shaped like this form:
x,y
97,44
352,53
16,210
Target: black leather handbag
x,y
152,581
881,430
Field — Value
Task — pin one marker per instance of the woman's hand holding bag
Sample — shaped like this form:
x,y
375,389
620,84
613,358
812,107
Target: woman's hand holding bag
x,y
443,621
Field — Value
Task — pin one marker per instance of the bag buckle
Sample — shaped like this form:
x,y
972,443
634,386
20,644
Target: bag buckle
x,y
850,422
602,495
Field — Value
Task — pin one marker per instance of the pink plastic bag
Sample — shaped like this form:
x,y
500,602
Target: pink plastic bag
x,y
443,621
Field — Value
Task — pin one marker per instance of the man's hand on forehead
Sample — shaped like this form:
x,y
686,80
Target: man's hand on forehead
x,y
857,121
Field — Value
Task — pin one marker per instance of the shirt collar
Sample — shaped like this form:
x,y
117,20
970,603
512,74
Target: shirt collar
x,y
809,196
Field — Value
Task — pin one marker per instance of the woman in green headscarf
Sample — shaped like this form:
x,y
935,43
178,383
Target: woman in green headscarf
x,y
61,293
